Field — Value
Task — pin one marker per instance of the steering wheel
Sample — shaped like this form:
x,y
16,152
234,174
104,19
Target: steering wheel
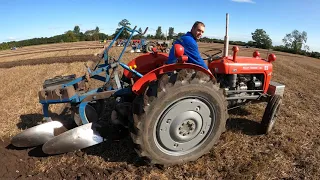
x,y
211,57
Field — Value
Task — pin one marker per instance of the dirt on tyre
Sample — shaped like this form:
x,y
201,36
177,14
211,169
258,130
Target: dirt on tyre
x,y
270,114
179,118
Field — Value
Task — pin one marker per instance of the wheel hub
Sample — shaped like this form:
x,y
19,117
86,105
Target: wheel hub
x,y
184,125
187,127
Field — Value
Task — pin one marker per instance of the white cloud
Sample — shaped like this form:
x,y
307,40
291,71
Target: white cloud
x,y
244,1
11,39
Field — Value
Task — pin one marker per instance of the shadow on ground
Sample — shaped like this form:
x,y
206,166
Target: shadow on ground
x,y
245,126
31,120
239,111
118,147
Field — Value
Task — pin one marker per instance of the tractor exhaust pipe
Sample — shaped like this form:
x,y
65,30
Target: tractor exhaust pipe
x,y
226,38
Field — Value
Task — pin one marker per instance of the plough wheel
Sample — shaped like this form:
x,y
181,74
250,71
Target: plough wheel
x,y
179,118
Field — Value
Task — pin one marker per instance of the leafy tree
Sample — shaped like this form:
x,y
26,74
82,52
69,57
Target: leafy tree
x,y
159,34
70,37
251,43
296,40
124,22
76,30
96,34
238,43
262,39
125,33
150,36
171,32
89,32
97,30
82,37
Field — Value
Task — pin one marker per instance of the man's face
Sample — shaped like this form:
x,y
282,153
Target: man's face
x,y
197,31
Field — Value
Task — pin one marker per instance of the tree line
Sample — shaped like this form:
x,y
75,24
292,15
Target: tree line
x,y
294,42
69,36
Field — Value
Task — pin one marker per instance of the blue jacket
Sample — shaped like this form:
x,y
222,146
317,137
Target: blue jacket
x,y
190,49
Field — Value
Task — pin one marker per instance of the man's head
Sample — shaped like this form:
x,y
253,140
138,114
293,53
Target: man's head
x,y
197,29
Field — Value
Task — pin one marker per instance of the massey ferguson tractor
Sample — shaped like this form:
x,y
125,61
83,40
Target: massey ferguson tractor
x,y
175,113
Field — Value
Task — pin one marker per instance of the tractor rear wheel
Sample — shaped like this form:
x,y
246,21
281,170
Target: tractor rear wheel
x,y
179,118
149,46
270,114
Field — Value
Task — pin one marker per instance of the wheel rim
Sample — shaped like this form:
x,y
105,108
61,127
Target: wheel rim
x,y
184,125
150,47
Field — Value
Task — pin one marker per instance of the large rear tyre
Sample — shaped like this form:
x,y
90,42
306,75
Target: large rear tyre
x,y
150,46
179,118
270,114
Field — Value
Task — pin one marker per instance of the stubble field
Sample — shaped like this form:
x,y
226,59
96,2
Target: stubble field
x,y
291,151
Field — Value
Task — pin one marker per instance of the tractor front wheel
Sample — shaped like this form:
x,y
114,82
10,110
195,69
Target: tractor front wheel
x,y
179,118
270,114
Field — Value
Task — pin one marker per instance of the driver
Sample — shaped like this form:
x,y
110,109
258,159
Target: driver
x,y
189,42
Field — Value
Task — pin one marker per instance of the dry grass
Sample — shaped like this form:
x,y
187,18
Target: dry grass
x,y
291,151
50,47
20,86
49,54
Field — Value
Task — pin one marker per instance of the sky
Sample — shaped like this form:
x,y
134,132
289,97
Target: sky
x,y
26,19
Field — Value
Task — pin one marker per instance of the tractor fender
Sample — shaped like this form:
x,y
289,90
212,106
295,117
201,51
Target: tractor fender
x,y
146,63
141,84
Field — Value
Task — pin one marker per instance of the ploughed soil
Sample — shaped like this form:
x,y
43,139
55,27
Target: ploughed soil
x,y
20,163
290,151
49,60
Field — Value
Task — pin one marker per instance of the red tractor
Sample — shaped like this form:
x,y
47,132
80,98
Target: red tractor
x,y
175,113
181,109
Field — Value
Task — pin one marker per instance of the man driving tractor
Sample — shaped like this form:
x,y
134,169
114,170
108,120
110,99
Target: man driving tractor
x,y
189,42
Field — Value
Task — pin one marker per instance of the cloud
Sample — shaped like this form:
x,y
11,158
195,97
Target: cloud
x,y
215,36
244,1
11,39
